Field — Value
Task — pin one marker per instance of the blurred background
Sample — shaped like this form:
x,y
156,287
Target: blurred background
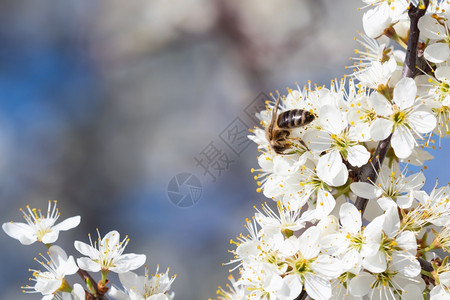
x,y
102,103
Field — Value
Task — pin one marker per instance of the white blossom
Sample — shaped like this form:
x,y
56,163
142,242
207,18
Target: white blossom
x,y
435,93
387,285
405,118
147,287
435,28
391,188
107,254
53,278
349,243
441,291
39,227
395,247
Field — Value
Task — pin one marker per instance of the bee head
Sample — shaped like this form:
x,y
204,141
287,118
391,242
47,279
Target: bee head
x,y
279,149
309,117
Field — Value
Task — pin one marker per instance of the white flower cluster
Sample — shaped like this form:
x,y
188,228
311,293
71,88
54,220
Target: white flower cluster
x,y
323,172
104,255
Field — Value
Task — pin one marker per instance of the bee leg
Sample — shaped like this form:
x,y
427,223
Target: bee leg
x,y
301,142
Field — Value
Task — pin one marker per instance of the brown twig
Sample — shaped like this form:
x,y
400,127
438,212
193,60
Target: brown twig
x,y
368,172
302,296
414,13
86,276
426,265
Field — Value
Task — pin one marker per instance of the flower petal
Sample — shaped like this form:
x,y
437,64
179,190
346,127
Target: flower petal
x,y
159,296
358,155
316,140
78,292
329,166
128,262
405,201
375,263
381,129
380,104
325,203
88,264
317,287
412,292
405,93
406,264
341,177
332,119
444,278
327,266
439,292
436,53
110,240
386,203
403,142
294,284
414,182
67,224
352,261
361,284
50,237
442,73
308,242
57,254
365,190
20,231
115,293
407,241
86,249
422,121
129,280
431,28
391,222
265,161
48,286
376,20
70,267
350,218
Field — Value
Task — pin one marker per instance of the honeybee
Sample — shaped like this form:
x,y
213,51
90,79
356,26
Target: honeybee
x,y
279,129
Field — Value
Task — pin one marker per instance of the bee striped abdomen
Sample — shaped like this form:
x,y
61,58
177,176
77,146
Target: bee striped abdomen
x,y
294,118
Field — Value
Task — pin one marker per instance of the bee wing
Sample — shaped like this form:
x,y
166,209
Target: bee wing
x,y
274,114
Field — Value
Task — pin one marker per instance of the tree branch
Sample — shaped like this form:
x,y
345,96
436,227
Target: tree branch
x,y
368,172
86,276
428,267
414,13
302,296
425,265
